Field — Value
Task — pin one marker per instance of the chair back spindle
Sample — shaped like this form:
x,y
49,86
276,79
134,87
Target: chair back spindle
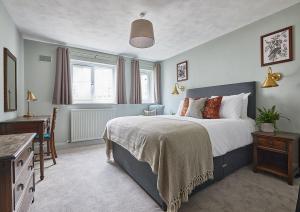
x,y
53,121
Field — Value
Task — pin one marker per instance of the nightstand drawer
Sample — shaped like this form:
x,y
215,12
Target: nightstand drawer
x,y
273,143
278,144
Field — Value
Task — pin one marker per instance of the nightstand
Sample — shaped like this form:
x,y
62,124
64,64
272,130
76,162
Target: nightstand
x,y
276,153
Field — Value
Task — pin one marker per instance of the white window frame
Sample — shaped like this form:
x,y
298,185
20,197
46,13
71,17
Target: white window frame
x,y
92,65
148,72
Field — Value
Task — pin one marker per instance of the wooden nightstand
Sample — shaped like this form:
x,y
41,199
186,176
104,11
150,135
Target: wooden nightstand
x,y
277,153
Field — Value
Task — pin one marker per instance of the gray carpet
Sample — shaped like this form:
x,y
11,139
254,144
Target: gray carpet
x,y
83,181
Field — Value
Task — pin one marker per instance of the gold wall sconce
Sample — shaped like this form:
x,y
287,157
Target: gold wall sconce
x,y
271,80
177,88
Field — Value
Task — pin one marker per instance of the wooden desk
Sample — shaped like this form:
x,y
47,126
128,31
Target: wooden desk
x,y
36,124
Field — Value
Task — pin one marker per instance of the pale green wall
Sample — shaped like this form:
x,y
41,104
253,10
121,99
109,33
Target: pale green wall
x,y
11,39
235,57
39,77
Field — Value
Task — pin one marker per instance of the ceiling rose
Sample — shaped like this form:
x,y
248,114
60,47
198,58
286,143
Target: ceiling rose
x,y
141,34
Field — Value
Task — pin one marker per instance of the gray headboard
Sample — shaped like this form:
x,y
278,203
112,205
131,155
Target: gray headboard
x,y
230,89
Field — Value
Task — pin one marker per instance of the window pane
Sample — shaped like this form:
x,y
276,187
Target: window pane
x,y
82,83
104,85
145,86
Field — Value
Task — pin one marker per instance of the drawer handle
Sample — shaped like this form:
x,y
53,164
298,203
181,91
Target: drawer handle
x,y
20,163
20,187
30,167
31,189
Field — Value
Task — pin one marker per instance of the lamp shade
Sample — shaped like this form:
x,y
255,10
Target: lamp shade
x,y
271,79
175,90
269,82
30,96
141,35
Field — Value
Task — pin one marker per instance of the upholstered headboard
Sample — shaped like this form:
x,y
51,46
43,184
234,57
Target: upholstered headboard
x,y
230,89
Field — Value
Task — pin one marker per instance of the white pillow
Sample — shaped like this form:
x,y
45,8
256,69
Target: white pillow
x,y
244,114
180,108
231,106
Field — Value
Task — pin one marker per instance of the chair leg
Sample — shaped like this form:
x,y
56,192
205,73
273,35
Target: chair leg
x,y
52,151
48,147
54,148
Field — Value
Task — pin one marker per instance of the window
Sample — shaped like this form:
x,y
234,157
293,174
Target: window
x,y
147,86
93,82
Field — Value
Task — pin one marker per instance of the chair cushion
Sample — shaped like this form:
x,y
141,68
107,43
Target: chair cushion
x,y
46,135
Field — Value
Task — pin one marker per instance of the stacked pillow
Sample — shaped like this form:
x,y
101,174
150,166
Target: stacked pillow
x,y
230,107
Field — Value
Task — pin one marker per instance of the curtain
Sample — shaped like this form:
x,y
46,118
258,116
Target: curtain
x,y
121,89
62,94
136,91
157,81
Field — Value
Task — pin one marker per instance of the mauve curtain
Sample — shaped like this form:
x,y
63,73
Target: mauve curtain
x,y
157,81
121,89
136,91
62,94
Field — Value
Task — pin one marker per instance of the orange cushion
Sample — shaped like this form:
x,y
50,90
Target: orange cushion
x,y
185,107
212,108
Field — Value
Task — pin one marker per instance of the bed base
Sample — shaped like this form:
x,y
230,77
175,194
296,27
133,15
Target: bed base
x,y
141,171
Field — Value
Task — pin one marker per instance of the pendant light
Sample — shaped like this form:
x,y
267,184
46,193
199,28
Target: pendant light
x,y
141,34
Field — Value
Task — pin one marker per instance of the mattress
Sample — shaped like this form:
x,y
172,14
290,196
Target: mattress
x,y
225,134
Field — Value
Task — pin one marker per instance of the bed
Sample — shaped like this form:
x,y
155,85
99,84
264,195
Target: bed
x,y
225,161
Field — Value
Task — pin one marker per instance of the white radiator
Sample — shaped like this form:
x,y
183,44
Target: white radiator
x,y
89,124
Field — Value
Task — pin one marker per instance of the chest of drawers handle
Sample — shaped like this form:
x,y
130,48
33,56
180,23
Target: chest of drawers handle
x,y
20,187
30,167
20,163
31,189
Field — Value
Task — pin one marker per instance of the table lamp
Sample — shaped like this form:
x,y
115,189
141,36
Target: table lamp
x,y
30,98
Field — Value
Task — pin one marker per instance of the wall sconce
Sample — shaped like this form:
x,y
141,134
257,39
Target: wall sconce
x,y
271,79
176,88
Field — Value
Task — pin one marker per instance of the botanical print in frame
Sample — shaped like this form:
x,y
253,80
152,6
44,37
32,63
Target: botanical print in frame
x,y
182,71
276,47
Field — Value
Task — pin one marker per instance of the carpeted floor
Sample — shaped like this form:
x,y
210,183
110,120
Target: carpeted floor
x,y
82,181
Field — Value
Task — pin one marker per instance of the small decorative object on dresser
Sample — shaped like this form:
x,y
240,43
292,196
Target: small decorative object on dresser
x,y
182,71
276,47
267,119
277,153
16,172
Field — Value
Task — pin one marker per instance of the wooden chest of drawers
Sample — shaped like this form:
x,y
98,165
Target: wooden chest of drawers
x,y
17,181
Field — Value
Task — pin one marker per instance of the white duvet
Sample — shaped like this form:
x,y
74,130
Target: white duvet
x,y
225,134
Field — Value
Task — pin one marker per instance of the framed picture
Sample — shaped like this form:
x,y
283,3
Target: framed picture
x,y
182,71
276,47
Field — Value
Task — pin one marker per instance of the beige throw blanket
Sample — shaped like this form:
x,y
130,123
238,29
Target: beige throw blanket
x,y
178,151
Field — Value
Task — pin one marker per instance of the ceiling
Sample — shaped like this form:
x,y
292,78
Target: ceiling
x,y
104,25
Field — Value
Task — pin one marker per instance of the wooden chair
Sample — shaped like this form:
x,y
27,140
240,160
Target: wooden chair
x,y
49,138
